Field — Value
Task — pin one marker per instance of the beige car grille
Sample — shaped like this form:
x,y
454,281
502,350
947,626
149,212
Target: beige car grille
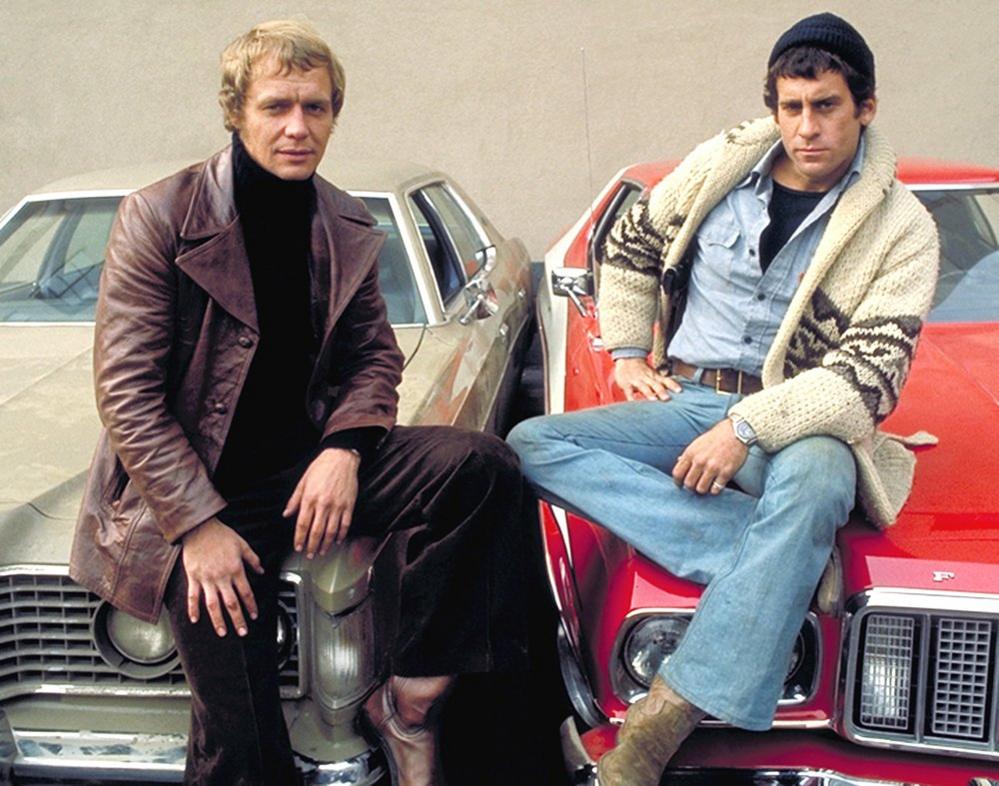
x,y
47,645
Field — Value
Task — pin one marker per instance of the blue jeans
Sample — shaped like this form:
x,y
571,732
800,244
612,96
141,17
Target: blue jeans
x,y
760,551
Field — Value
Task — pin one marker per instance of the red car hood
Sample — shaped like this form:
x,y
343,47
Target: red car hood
x,y
947,537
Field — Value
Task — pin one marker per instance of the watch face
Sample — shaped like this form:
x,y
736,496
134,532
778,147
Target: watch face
x,y
744,431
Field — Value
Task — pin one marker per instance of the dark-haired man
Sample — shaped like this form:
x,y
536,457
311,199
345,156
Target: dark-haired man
x,y
245,372
809,271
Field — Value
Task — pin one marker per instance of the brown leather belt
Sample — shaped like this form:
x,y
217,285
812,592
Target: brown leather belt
x,y
723,380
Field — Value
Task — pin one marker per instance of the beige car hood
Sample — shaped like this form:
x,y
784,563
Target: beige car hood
x,y
49,423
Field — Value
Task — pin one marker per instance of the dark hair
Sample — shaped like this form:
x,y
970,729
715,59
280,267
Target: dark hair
x,y
809,62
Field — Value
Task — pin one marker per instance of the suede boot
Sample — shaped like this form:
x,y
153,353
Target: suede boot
x,y
653,730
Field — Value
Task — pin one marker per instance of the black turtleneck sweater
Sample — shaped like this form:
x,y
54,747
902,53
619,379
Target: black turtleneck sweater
x,y
271,430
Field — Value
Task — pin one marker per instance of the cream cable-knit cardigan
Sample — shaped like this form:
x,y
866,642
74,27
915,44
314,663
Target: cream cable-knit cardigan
x,y
843,350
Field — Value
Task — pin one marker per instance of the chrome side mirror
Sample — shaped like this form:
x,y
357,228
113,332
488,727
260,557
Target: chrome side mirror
x,y
573,283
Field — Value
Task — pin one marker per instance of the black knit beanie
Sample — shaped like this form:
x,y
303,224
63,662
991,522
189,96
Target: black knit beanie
x,y
829,32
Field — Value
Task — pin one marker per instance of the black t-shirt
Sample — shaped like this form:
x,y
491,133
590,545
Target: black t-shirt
x,y
788,208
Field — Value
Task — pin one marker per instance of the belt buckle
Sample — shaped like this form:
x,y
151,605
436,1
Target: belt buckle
x,y
718,382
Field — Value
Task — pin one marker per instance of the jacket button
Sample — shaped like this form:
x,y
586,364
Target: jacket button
x,y
245,342
220,409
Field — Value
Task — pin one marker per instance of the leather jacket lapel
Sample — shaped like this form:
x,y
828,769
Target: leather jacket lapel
x,y
218,263
344,248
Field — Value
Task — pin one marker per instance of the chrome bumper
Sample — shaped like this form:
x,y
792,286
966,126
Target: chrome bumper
x,y
582,771
149,758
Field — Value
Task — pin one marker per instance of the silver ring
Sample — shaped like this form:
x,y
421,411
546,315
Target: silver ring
x,y
716,484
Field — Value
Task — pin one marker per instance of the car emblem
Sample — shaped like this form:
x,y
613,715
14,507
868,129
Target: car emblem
x,y
942,575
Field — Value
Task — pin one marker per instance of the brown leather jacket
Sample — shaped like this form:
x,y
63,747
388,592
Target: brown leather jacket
x,y
176,331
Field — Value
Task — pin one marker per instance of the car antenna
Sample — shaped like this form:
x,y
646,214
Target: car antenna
x,y
586,127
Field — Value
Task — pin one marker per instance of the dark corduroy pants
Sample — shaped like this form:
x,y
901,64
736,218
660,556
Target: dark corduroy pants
x,y
447,585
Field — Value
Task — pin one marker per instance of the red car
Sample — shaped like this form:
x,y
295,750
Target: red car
x,y
895,676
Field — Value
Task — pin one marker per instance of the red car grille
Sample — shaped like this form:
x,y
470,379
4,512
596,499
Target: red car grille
x,y
926,679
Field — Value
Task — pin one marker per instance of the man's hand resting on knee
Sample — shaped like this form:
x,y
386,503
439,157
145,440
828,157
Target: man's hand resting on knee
x,y
639,380
213,555
324,499
711,460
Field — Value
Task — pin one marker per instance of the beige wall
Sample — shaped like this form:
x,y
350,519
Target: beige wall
x,y
491,92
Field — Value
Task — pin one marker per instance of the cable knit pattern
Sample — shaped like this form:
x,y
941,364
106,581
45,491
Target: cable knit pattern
x,y
843,350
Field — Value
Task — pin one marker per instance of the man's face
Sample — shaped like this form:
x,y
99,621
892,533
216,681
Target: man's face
x,y
287,119
820,127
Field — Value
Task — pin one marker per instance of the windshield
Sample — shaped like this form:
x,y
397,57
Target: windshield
x,y
968,221
52,251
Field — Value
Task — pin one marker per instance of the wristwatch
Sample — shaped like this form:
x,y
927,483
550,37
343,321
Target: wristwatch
x,y
743,431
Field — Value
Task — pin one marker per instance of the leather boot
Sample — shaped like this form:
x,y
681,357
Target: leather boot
x,y
653,730
403,715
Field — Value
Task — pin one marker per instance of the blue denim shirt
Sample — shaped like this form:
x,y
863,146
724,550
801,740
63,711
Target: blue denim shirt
x,y
733,309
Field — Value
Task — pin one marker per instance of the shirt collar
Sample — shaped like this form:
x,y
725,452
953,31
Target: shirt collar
x,y
765,164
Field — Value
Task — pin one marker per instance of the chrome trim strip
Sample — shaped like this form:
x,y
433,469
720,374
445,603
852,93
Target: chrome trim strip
x,y
577,686
562,522
922,603
149,758
925,600
40,570
987,186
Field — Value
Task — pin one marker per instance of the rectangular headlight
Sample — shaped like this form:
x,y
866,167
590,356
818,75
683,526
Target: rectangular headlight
x,y
887,669
344,662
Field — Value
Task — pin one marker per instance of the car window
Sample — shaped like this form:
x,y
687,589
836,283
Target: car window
x,y
443,257
968,222
468,242
626,195
51,254
395,273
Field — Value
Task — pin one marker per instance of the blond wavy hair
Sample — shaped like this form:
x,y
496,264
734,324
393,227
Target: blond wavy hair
x,y
294,44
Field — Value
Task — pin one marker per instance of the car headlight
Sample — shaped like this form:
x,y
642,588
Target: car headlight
x,y
343,654
650,644
132,646
887,671
140,641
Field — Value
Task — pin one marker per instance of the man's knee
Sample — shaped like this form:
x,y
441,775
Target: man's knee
x,y
823,472
477,452
528,433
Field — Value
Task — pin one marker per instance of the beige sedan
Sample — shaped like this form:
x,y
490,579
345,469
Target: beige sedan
x,y
87,692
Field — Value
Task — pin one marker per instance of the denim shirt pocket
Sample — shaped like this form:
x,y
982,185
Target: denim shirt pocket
x,y
717,243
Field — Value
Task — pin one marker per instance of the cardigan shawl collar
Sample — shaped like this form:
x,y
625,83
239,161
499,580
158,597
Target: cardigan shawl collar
x,y
740,150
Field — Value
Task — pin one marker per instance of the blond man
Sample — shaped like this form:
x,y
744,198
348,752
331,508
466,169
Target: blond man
x,y
245,373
